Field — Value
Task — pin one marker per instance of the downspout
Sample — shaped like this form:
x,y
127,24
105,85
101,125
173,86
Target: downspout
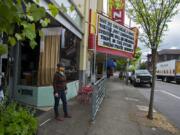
x,y
84,46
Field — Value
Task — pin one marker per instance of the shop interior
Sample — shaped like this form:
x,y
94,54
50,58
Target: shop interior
x,y
70,54
100,65
37,67
29,60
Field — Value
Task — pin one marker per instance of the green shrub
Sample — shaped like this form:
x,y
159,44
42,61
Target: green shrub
x,y
16,120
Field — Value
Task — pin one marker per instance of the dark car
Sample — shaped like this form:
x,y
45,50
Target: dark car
x,y
141,76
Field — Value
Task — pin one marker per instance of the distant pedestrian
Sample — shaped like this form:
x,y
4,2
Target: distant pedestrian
x,y
60,90
1,94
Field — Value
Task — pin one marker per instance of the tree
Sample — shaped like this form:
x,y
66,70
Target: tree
x,y
121,63
143,65
137,57
153,16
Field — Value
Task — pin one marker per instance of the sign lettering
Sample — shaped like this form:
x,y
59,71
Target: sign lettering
x,y
115,36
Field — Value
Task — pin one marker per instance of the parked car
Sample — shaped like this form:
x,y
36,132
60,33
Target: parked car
x,y
141,76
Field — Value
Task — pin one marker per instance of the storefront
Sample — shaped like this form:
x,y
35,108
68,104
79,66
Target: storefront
x,y
109,39
36,67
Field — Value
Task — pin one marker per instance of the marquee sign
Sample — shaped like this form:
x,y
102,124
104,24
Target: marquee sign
x,y
114,36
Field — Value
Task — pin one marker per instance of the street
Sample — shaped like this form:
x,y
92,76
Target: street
x,y
166,100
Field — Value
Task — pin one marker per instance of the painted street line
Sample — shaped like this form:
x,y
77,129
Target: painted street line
x,y
168,93
44,122
144,108
131,99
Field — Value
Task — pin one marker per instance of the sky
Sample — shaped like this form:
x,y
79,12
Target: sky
x,y
171,40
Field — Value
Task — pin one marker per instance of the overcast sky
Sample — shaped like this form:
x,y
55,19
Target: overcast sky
x,y
171,40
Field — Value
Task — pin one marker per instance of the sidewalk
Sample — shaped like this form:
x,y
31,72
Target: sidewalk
x,y
118,115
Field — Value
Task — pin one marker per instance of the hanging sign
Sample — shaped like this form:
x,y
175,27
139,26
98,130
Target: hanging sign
x,y
117,10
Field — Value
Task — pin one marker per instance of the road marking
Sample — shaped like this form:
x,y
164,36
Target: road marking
x,y
144,108
131,99
168,93
44,122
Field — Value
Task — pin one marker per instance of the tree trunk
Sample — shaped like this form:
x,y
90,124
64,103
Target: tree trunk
x,y
154,60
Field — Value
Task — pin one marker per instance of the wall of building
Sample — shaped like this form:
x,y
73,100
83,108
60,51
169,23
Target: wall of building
x,y
84,45
42,96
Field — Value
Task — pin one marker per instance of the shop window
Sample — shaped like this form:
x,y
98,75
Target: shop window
x,y
37,66
49,57
28,64
70,56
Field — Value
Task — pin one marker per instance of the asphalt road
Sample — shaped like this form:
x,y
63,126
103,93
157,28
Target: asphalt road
x,y
166,100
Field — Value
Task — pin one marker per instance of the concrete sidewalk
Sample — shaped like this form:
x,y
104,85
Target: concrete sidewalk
x,y
118,115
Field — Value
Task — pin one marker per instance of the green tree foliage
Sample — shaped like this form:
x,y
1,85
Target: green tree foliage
x,y
137,57
19,21
153,16
143,65
121,63
16,120
118,4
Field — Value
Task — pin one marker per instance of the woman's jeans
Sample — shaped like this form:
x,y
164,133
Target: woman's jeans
x,y
61,95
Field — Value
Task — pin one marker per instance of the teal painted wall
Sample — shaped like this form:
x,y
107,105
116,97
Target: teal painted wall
x,y
23,94
43,96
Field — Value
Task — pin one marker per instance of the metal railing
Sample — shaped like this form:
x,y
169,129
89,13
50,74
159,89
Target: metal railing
x,y
98,95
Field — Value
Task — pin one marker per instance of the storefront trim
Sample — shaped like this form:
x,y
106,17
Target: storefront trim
x,y
63,20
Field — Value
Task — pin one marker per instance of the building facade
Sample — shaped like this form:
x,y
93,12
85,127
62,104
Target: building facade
x,y
33,70
163,55
83,39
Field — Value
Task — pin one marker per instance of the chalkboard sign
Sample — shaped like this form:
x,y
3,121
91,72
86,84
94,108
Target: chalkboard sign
x,y
114,36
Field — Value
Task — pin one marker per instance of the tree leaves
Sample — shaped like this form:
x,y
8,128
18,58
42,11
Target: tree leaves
x,y
45,22
12,41
35,12
16,120
153,16
72,8
41,33
3,49
118,4
29,30
20,19
54,10
33,44
18,36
